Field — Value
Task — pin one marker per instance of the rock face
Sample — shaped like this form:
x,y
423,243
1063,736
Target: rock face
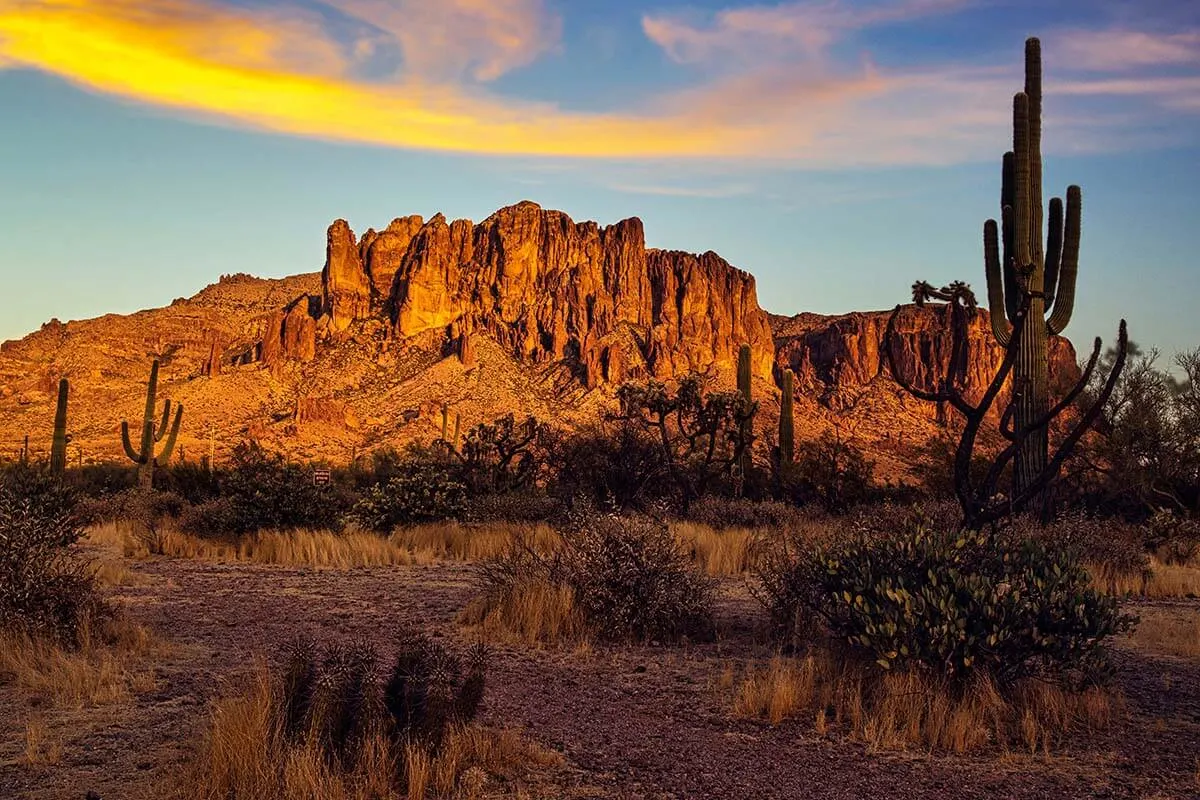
x,y
345,286
836,358
547,288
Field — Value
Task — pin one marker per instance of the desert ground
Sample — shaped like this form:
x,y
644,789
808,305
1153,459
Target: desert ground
x,y
646,721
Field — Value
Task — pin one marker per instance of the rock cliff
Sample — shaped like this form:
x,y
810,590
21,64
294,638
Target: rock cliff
x,y
547,289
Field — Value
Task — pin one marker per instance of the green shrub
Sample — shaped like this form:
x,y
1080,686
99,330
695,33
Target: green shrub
x,y
619,466
953,603
46,589
424,491
265,491
828,472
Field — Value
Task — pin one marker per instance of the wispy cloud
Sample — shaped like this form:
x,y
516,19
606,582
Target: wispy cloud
x,y
1119,50
784,31
418,74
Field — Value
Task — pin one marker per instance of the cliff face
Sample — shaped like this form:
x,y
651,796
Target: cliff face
x,y
546,289
836,358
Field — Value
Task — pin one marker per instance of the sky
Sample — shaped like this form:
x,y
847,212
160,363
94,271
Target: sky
x,y
837,149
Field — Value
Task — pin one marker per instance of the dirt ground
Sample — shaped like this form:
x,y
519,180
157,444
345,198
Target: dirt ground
x,y
631,722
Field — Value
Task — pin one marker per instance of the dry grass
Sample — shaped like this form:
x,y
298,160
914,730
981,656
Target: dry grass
x,y
1162,582
41,747
1174,632
902,710
107,667
533,612
418,545
732,551
245,756
459,542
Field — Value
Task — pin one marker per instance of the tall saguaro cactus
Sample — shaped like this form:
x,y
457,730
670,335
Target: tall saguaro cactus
x,y
787,423
745,389
58,449
1024,269
151,434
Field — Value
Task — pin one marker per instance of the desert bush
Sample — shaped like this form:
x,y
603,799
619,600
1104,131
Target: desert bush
x,y
425,491
618,466
150,513
529,506
829,472
724,512
46,588
502,456
628,577
956,604
193,481
265,491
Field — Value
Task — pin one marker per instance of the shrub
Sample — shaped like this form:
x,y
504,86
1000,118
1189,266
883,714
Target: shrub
x,y
267,492
628,577
151,513
959,604
45,588
423,492
830,473
721,512
527,506
618,467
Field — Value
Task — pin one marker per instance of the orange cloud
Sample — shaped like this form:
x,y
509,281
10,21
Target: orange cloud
x,y
241,66
283,71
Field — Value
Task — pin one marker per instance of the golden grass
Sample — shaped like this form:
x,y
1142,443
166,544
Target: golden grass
x,y
106,668
417,545
902,710
245,756
41,747
1174,632
732,551
532,612
1162,582
459,542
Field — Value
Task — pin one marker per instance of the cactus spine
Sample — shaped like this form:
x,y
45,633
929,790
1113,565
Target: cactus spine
x,y
145,458
745,390
787,429
1048,275
58,450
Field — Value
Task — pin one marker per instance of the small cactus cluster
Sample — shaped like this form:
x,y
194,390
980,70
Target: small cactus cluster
x,y
152,434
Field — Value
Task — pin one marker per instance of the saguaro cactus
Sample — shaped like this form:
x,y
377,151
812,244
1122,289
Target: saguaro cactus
x,y
745,389
145,458
787,425
58,450
1024,268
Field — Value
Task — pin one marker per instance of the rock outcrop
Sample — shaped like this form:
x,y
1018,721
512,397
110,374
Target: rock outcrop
x,y
836,358
547,289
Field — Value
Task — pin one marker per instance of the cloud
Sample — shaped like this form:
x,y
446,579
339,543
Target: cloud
x,y
1118,50
418,74
787,30
446,39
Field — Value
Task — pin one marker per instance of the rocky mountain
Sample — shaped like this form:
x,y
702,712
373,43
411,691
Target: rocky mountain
x,y
526,311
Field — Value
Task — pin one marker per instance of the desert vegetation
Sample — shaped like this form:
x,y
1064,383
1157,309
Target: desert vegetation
x,y
1028,590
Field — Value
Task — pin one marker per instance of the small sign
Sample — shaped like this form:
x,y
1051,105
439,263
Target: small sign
x,y
321,477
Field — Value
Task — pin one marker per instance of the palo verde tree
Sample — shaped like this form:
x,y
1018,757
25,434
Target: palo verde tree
x,y
980,500
1025,271
151,434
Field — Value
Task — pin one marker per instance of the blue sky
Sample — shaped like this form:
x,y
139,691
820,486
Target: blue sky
x,y
838,149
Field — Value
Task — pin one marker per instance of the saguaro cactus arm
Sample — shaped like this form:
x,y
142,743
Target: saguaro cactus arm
x,y
134,455
1001,328
164,455
1068,270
